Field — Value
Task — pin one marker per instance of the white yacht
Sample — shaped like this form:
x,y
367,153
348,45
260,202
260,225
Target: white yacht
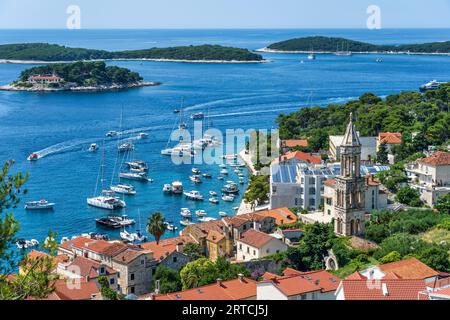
x,y
206,219
177,187
93,147
136,176
106,202
228,198
137,165
185,212
39,205
311,56
112,134
196,171
433,84
194,195
198,116
123,220
170,226
126,146
167,188
195,179
223,214
186,222
200,213
126,236
213,194
143,135
124,189
224,171
214,200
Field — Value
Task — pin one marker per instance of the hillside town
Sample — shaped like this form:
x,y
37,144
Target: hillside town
x,y
317,236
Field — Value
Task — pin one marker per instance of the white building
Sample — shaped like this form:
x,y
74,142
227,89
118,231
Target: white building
x,y
368,147
431,176
254,244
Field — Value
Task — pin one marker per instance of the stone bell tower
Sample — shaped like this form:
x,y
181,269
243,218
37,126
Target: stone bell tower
x,y
349,202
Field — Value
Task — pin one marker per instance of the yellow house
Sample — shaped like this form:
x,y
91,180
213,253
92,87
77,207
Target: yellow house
x,y
217,245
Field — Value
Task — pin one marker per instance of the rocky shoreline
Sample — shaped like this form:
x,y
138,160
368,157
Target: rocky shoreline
x,y
10,87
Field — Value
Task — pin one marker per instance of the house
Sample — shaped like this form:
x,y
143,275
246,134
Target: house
x,y
368,147
390,139
289,236
282,216
405,269
255,244
239,224
296,157
241,288
431,176
169,252
38,79
384,289
133,264
374,197
296,285
216,244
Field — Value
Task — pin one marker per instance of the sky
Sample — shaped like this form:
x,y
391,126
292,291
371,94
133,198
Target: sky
x,y
28,14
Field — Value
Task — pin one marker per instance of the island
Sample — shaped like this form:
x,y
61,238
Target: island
x,y
319,44
78,76
46,53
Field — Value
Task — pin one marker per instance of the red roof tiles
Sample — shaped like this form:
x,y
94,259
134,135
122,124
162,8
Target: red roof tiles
x,y
438,158
281,215
409,269
292,143
390,137
303,156
256,239
386,289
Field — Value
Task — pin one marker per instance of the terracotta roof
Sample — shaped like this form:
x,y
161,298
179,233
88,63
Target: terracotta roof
x,y
239,220
441,293
214,236
356,276
390,137
321,278
200,230
84,291
98,246
438,158
303,156
397,289
292,143
237,289
90,268
371,181
166,246
409,269
330,183
254,238
281,215
34,254
129,255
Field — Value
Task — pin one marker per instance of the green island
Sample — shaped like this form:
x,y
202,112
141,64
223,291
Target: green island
x,y
30,52
78,76
331,44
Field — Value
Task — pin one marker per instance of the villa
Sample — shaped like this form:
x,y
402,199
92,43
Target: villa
x,y
255,245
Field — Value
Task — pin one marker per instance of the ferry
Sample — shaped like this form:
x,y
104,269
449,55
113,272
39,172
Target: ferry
x,y
432,85
194,195
136,176
39,205
197,116
177,187
93,147
106,202
124,189
33,157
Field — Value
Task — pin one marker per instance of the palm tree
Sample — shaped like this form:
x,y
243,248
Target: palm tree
x,y
156,225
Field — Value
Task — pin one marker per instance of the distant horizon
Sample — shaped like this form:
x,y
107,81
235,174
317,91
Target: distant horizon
x,y
236,28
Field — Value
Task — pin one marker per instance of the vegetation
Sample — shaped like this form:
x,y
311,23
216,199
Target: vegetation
x,y
156,225
53,52
34,279
203,271
85,74
409,196
423,119
443,204
258,190
193,251
382,153
169,280
106,291
329,44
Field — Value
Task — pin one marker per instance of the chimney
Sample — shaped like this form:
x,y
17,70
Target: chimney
x,y
220,282
241,277
385,289
180,247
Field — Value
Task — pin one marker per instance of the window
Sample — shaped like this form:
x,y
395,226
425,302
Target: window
x,y
268,250
102,270
142,261
111,281
240,246
132,276
312,180
132,290
175,259
312,191
274,189
153,271
254,252
248,249
296,202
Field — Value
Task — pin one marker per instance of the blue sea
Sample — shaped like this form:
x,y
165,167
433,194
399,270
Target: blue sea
x,y
62,125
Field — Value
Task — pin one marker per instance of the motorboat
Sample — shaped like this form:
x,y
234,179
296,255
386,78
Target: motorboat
x,y
167,188
125,147
33,157
124,221
197,116
136,176
185,212
143,135
186,222
126,189
201,213
195,171
223,214
176,111
125,235
213,194
111,134
214,200
39,205
194,195
33,243
223,166
311,56
195,179
433,84
207,175
224,171
98,236
206,219
21,244
230,188
108,222
93,147
106,202
237,171
137,165
182,126
228,198
241,180
220,178
177,187
237,165
170,226
230,156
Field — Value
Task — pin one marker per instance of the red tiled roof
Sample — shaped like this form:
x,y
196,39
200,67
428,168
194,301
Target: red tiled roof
x,y
356,276
409,269
438,158
397,289
303,156
390,137
441,293
237,289
330,183
321,278
166,246
214,236
129,255
281,215
90,268
97,246
82,291
254,238
292,143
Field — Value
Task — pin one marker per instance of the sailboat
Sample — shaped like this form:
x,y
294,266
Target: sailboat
x,y
106,199
343,52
